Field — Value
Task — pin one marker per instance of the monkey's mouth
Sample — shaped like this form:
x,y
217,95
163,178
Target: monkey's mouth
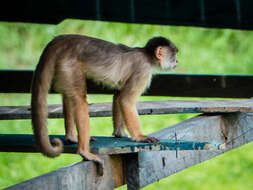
x,y
174,63
173,66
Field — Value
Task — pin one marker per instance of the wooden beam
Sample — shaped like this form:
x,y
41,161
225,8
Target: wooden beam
x,y
80,176
184,85
141,169
144,108
232,129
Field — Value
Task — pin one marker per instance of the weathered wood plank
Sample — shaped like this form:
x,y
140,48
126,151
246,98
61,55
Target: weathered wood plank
x,y
184,85
232,129
144,108
80,176
104,145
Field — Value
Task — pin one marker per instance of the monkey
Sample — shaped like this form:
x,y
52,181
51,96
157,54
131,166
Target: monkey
x,y
68,60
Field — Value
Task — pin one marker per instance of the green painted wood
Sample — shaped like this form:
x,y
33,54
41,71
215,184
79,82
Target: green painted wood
x,y
104,145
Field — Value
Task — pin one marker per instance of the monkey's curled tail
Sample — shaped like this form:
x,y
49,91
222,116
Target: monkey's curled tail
x,y
41,84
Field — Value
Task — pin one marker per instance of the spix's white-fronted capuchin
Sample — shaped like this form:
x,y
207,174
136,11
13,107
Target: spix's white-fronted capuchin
x,y
68,59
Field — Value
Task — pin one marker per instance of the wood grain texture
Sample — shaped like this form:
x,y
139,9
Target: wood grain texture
x,y
144,108
234,129
80,176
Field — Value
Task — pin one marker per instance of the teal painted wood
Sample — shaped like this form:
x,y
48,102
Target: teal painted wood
x,y
104,145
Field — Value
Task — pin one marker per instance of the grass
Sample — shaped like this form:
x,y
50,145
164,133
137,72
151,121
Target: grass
x,y
201,51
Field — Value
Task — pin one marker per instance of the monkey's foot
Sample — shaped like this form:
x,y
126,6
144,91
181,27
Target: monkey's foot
x,y
87,156
119,134
146,139
70,140
74,140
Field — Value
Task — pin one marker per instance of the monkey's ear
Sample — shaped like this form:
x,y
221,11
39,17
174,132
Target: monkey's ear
x,y
159,53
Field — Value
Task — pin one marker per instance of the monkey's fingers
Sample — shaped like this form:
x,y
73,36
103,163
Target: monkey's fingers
x,y
153,140
100,165
87,156
69,142
100,168
150,140
93,139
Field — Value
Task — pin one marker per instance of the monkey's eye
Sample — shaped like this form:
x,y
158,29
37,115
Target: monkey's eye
x,y
175,50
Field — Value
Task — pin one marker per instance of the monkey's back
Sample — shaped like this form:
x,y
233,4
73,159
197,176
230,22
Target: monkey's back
x,y
106,62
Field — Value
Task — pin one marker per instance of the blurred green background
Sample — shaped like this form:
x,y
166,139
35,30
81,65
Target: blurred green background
x,y
201,51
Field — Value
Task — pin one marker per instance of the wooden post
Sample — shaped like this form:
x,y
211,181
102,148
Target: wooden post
x,y
232,129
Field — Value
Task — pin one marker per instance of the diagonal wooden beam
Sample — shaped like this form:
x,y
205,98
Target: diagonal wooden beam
x,y
232,129
80,176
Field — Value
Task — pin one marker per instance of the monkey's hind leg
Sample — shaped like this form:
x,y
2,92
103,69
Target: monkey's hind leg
x,y
71,83
70,136
118,122
79,113
83,128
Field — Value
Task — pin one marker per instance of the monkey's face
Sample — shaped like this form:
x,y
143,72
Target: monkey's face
x,y
166,57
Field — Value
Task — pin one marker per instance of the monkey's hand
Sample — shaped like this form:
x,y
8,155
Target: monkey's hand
x,y
146,139
87,156
93,139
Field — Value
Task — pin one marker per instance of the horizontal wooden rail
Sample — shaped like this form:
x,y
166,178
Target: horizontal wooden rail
x,y
184,85
144,108
105,145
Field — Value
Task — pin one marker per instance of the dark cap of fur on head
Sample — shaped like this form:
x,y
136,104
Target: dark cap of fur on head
x,y
153,43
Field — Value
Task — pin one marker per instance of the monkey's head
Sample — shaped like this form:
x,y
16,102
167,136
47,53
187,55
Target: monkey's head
x,y
163,51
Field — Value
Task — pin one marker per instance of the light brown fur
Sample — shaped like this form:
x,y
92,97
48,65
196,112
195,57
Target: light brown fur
x,y
68,60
